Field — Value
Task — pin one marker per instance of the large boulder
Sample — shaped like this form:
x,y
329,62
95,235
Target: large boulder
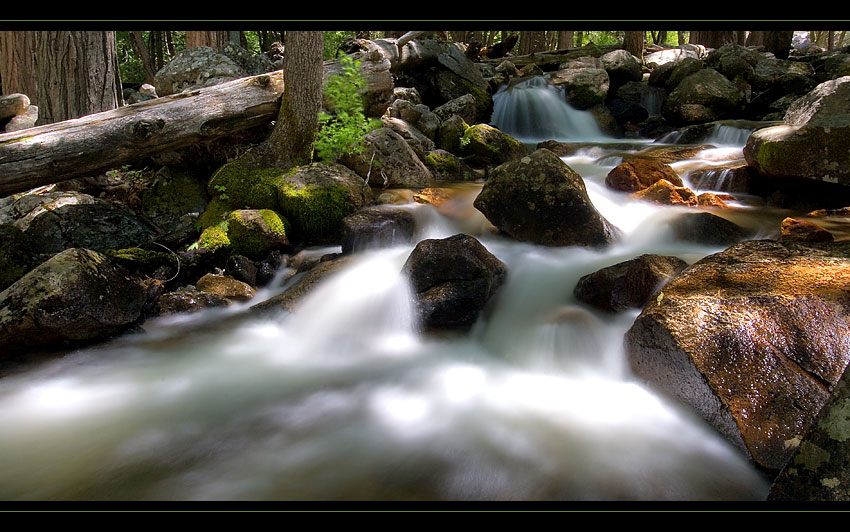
x,y
540,199
196,67
63,220
753,338
812,143
487,145
256,232
733,60
622,67
628,284
16,258
704,96
452,279
637,174
583,87
76,296
387,160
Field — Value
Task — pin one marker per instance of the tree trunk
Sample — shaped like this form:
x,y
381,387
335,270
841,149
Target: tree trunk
x,y
77,74
633,43
778,43
213,39
712,38
97,142
298,120
565,40
17,63
756,38
142,50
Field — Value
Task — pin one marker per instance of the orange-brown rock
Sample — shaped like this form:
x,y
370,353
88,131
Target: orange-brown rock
x,y
753,338
225,287
709,199
666,193
637,174
803,231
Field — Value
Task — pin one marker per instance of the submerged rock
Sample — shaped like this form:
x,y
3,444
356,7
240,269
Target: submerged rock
x,y
452,279
75,297
637,174
628,284
753,338
540,199
377,227
188,301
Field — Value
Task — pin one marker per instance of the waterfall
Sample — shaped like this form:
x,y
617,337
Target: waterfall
x,y
534,111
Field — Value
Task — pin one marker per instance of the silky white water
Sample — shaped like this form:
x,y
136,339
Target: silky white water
x,y
347,400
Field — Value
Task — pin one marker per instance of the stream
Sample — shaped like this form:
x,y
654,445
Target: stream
x,y
346,400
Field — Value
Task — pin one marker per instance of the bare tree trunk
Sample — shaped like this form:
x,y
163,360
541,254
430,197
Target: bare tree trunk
x,y
741,37
756,38
77,74
142,50
680,36
169,44
633,43
17,63
712,38
213,39
579,38
778,43
565,40
830,39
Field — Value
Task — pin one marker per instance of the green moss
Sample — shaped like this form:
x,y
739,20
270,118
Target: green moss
x,y
442,163
181,193
217,210
15,259
315,212
253,239
243,188
215,237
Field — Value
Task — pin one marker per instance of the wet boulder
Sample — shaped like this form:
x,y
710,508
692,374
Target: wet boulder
x,y
812,143
188,300
377,227
452,280
753,338
16,258
622,67
583,87
540,199
291,298
487,145
224,286
709,229
388,161
803,231
637,174
256,232
704,96
76,296
664,192
628,284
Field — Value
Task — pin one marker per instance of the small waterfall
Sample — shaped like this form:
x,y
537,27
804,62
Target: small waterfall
x,y
534,111
723,135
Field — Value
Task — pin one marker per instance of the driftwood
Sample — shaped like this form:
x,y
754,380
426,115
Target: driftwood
x,y
97,142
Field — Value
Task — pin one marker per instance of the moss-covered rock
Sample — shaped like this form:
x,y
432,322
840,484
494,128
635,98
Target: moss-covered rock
x,y
316,197
254,233
488,145
445,166
215,238
174,201
242,187
142,260
215,213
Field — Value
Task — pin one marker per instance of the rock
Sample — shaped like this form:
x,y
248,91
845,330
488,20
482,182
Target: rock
x,y
734,60
450,132
671,55
23,121
223,286
75,297
627,114
629,284
256,232
791,77
752,338
418,141
196,67
664,192
174,203
188,301
709,229
16,257
464,107
682,70
818,468
315,198
803,231
622,67
709,199
377,227
583,87
63,220
445,166
637,174
242,269
395,164
540,199
417,115
812,142
452,279
703,97
158,264
837,66
252,64
487,145
13,105
289,300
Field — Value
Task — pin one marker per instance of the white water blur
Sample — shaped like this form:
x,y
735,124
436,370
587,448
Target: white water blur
x,y
534,111
347,400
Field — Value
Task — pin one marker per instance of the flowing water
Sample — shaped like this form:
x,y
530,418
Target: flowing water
x,y
347,400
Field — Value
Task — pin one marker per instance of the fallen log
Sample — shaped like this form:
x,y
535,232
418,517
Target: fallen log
x,y
555,56
97,142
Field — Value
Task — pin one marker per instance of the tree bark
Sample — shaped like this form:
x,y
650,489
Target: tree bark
x,y
142,49
77,74
97,142
213,39
17,63
633,43
712,38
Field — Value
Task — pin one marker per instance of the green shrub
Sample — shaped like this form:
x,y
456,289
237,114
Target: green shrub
x,y
340,133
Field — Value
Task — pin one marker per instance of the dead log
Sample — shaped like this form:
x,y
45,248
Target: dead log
x,y
556,57
97,142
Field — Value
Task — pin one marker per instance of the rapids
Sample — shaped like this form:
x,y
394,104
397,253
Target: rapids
x,y
347,400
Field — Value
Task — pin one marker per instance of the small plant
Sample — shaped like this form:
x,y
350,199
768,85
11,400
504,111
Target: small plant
x,y
341,133
222,192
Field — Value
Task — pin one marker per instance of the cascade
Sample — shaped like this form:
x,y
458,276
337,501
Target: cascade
x,y
347,400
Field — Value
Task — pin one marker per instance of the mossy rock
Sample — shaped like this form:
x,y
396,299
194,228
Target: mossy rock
x,y
488,145
254,233
241,187
315,198
173,196
141,260
446,167
215,213
215,238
